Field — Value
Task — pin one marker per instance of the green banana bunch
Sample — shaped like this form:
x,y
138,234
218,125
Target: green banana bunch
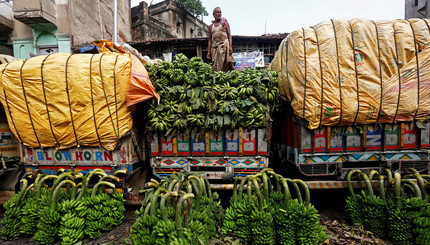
x,y
71,228
262,227
309,229
47,228
285,224
12,217
374,215
93,226
189,87
177,210
180,61
399,226
30,217
142,230
116,205
11,224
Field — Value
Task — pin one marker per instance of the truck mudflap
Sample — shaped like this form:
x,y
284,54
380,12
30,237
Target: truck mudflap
x,y
219,155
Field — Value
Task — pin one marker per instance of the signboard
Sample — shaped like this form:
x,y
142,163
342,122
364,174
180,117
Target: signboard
x,y
248,60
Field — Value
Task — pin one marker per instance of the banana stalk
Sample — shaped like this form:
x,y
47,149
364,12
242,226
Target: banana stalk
x,y
179,213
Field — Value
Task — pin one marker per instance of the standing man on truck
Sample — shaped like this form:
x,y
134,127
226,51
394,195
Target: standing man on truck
x,y
220,48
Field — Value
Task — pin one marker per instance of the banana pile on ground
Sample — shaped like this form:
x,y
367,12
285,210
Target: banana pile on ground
x,y
192,95
269,213
61,207
399,213
180,209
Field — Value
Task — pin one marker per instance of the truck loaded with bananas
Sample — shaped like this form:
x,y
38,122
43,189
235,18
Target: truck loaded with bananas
x,y
351,93
213,122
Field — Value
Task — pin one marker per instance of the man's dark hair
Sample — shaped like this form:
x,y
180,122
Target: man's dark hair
x,y
216,9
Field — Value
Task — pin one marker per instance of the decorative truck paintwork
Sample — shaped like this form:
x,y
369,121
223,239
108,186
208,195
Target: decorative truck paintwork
x,y
333,151
82,159
218,155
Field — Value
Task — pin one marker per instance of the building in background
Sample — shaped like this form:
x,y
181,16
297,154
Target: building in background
x,y
6,27
33,27
165,49
417,9
165,20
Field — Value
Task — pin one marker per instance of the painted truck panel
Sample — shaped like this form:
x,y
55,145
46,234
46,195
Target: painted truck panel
x,y
124,154
237,152
332,151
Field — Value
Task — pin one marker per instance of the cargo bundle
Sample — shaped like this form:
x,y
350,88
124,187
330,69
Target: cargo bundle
x,y
64,100
356,72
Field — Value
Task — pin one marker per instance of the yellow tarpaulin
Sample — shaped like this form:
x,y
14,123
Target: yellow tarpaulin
x,y
356,72
64,100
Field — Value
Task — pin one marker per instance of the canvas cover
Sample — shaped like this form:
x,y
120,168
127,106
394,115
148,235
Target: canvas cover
x,y
359,71
64,100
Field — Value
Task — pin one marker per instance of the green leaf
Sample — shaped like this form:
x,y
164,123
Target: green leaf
x,y
248,102
190,93
178,89
181,107
227,119
195,105
253,99
420,125
220,121
196,92
159,107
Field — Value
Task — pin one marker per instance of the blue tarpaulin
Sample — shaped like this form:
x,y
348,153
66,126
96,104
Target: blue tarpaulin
x,y
89,49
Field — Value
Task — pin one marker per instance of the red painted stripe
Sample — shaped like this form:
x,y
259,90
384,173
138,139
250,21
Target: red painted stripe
x,y
55,167
198,153
353,148
320,150
85,167
336,149
247,170
183,153
392,147
216,153
373,147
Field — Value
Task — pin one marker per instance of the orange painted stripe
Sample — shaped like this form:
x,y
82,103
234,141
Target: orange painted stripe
x,y
175,150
